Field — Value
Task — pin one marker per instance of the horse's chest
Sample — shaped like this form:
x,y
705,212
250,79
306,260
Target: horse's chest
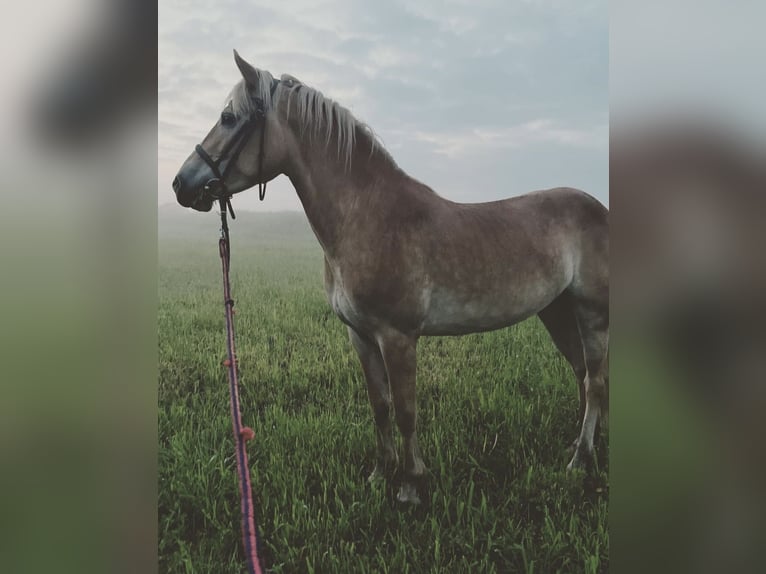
x,y
341,301
343,306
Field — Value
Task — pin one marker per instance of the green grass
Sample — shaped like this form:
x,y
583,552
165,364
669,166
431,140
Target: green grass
x,y
496,414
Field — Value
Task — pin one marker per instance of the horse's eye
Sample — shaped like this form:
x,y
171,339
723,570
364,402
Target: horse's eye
x,y
227,119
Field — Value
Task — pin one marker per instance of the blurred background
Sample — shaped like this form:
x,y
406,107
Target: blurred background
x,y
78,247
686,184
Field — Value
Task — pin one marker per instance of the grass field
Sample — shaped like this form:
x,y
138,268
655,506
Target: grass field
x,y
497,412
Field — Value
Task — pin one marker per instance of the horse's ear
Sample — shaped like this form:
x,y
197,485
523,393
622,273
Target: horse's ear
x,y
248,72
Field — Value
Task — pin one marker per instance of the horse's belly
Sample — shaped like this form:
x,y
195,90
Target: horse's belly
x,y
470,322
449,314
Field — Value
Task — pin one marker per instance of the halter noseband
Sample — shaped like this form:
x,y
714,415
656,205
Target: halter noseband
x,y
216,186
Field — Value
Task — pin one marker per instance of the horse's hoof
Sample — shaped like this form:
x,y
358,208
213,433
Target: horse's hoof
x,y
408,494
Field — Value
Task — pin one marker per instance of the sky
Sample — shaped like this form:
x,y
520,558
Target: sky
x,y
480,100
688,57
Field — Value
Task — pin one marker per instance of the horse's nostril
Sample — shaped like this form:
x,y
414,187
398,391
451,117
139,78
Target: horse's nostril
x,y
176,184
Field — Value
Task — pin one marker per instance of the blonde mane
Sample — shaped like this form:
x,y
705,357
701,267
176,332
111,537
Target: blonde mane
x,y
319,115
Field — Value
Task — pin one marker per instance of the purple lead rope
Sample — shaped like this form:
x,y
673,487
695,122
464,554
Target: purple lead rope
x,y
241,433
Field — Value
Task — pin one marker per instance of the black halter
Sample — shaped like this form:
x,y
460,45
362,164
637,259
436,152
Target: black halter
x,y
216,186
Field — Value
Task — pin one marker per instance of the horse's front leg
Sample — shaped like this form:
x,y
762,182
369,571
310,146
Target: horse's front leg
x,y
400,357
380,400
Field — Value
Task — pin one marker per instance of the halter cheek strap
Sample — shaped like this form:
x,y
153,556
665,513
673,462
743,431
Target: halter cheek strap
x,y
261,154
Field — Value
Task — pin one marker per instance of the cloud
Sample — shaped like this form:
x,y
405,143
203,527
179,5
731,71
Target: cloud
x,y
475,140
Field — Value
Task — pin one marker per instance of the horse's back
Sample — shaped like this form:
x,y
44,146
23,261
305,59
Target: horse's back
x,y
539,223
555,205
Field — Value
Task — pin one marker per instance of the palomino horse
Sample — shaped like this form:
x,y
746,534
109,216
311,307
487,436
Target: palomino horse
x,y
402,262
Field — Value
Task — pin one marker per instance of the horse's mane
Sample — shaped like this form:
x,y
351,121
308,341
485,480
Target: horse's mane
x,y
319,115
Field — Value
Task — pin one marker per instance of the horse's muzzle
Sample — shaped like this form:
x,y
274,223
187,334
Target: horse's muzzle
x,y
183,196
199,199
176,184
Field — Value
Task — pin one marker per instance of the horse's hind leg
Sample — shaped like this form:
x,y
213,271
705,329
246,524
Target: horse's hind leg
x,y
380,400
400,356
560,320
593,320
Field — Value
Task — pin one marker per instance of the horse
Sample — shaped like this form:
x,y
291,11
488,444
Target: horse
x,y
401,262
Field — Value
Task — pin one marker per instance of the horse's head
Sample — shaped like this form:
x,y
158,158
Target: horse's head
x,y
245,147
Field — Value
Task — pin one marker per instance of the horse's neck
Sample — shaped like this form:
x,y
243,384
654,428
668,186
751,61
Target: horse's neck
x,y
333,194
